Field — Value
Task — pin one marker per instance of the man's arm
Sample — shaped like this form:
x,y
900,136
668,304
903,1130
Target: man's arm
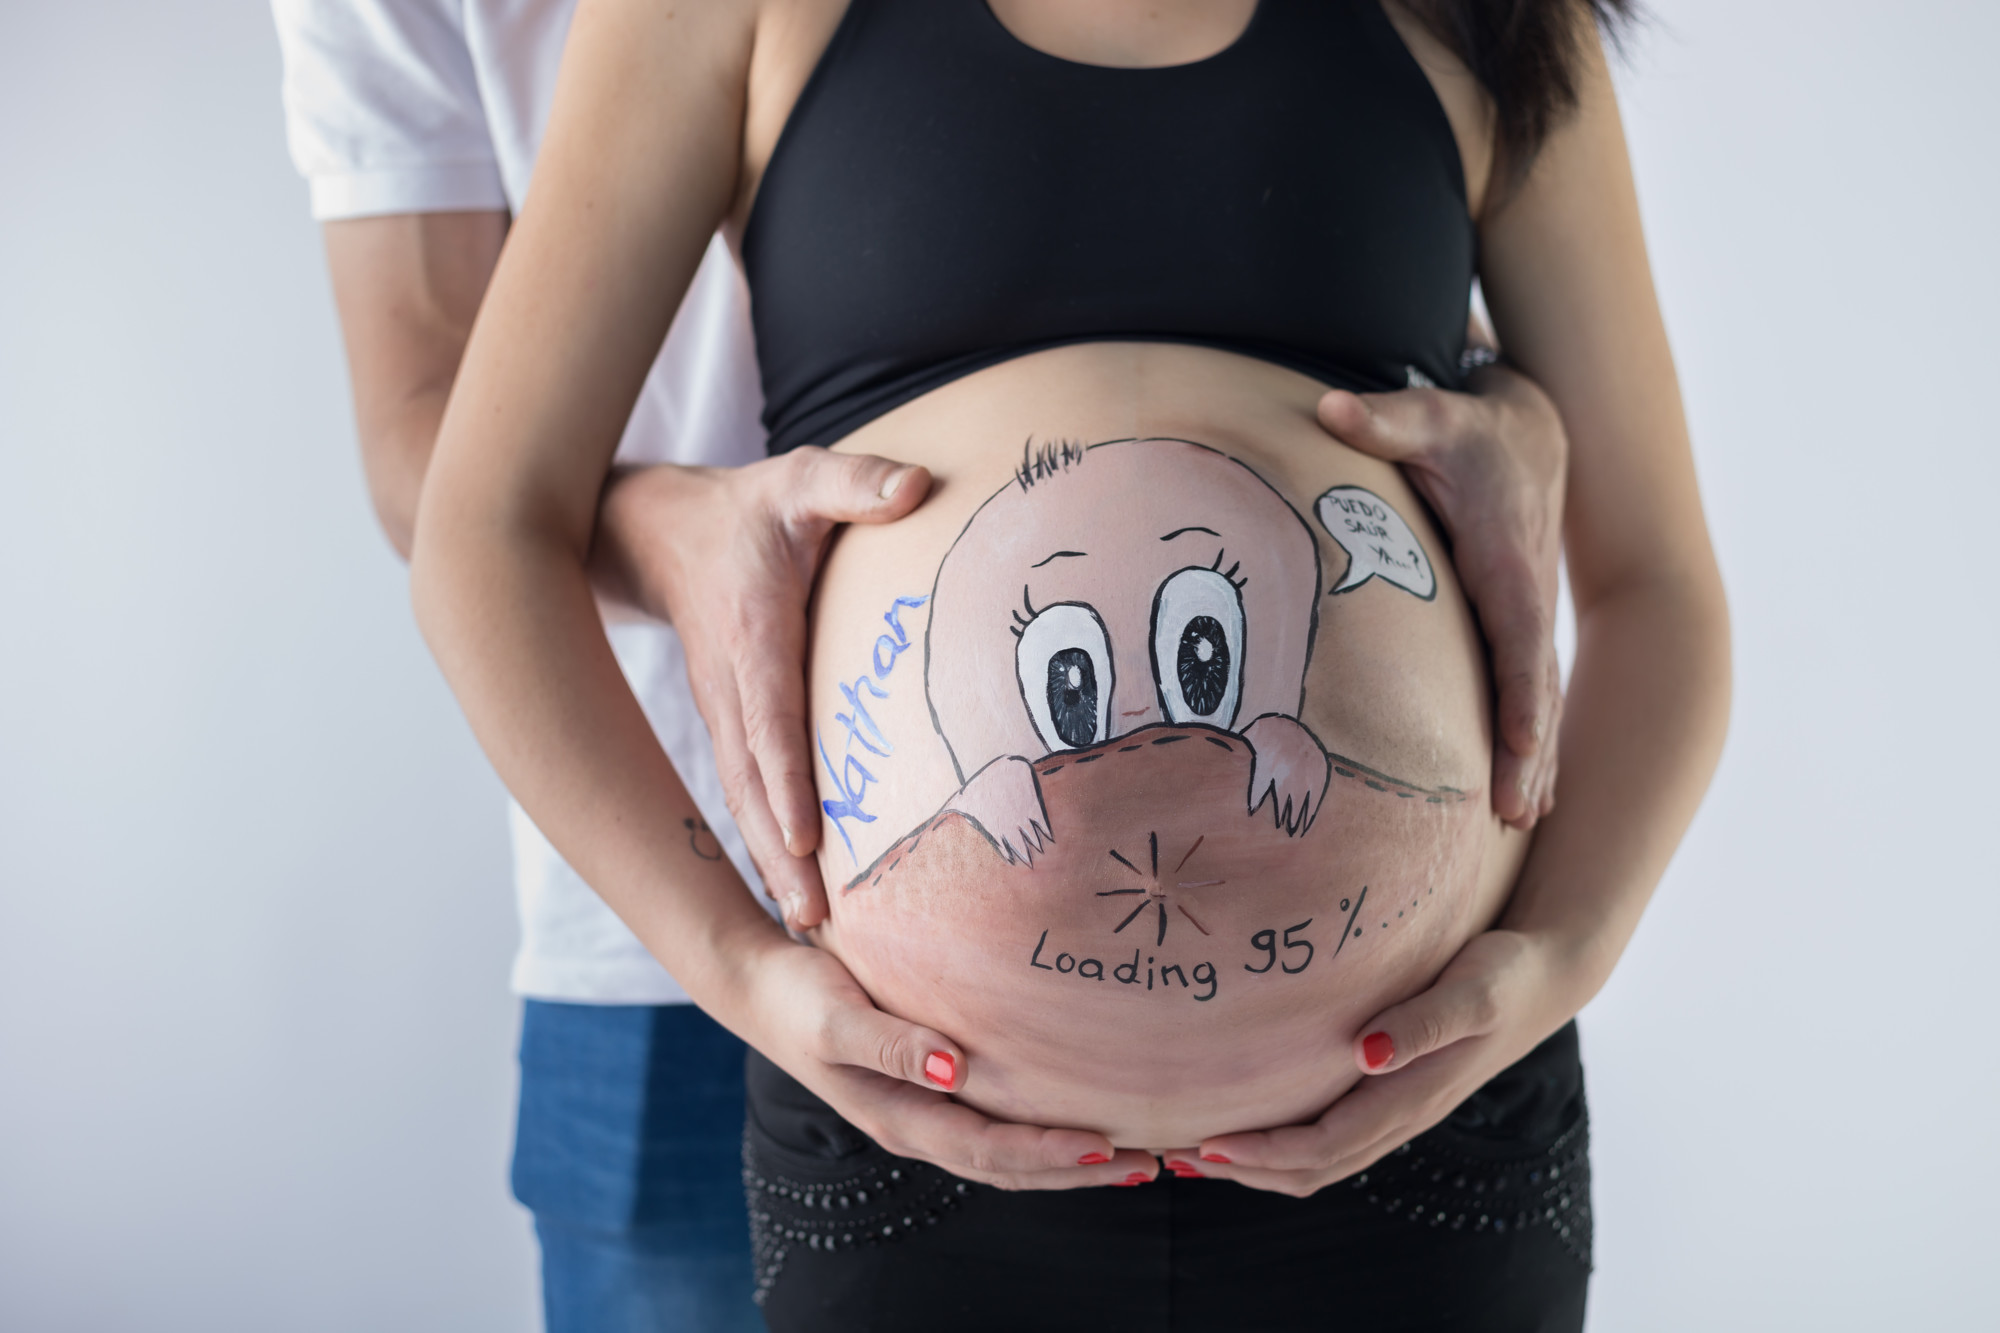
x,y
407,287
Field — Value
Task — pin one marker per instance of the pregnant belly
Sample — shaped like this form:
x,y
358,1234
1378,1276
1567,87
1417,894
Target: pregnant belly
x,y
1153,760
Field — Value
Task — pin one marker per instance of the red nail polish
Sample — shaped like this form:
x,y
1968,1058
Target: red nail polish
x,y
1215,1157
1092,1159
940,1068
1378,1049
1125,1184
1137,1178
1176,1164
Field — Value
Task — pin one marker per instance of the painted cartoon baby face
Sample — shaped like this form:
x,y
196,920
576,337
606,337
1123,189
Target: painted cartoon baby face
x,y
1116,599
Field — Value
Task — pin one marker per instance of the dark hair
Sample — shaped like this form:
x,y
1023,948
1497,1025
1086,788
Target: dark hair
x,y
1525,54
1046,460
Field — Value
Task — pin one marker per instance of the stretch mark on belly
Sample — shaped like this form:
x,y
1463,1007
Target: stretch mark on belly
x,y
1377,780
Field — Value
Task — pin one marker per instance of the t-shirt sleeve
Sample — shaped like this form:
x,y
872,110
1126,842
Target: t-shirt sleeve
x,y
382,107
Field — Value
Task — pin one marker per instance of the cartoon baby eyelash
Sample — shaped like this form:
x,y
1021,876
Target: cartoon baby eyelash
x,y
1020,621
1229,573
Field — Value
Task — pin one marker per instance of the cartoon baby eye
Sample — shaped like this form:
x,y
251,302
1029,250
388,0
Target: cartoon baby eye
x,y
1064,661
1198,647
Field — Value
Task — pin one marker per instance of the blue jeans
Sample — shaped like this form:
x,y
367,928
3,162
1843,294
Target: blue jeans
x,y
629,1154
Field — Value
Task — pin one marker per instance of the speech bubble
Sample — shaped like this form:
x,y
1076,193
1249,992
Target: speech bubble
x,y
1379,544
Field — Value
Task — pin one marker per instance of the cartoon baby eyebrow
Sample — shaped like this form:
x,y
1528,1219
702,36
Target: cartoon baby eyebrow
x,y
1057,556
1177,532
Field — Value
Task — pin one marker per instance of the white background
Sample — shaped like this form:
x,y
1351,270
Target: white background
x,y
255,1041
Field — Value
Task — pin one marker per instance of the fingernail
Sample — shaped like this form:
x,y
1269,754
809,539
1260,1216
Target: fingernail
x,y
1185,1170
1538,728
1126,1184
893,483
1092,1159
1136,1178
940,1068
785,832
1378,1049
1215,1157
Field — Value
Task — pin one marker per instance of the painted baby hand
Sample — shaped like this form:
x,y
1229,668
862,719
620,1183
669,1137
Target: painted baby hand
x,y
1289,769
1005,800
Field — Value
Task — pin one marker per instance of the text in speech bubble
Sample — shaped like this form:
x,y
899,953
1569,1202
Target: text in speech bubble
x,y
1379,544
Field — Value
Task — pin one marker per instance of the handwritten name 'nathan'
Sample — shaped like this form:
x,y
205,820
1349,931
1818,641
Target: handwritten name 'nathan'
x,y
1171,978
851,776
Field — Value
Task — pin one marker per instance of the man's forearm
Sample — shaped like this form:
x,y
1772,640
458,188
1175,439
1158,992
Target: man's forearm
x,y
1647,708
407,287
616,565
395,455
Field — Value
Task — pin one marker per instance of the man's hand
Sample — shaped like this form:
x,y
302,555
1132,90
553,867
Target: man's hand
x,y
1499,998
1493,464
728,556
889,1078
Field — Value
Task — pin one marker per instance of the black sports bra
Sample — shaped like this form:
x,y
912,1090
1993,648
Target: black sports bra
x,y
946,197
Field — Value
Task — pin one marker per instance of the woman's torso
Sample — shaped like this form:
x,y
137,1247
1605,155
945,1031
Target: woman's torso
x,y
1121,940
1148,829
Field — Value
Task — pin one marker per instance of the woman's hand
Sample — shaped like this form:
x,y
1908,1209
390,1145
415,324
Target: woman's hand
x,y
728,557
1493,464
1496,1001
889,1078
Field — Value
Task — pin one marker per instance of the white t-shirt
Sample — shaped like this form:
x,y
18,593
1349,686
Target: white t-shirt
x,y
419,106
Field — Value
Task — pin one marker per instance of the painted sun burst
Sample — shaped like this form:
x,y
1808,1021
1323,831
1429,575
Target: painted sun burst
x,y
1155,893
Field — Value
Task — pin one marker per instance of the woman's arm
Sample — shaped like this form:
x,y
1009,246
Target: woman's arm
x,y
639,166
1566,277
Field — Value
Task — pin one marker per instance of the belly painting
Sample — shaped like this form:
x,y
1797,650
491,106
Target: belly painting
x,y
1082,809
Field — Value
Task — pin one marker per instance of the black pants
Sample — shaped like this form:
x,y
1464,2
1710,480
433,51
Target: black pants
x,y
1481,1224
